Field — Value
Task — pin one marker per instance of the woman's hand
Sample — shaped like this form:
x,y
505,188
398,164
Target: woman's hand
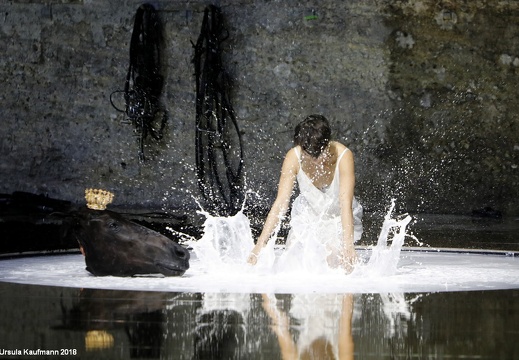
x,y
252,259
254,254
349,258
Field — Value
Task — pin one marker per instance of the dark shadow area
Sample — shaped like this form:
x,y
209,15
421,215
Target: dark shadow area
x,y
31,223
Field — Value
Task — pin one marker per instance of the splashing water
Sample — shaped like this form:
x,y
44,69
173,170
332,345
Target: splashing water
x,y
228,241
384,257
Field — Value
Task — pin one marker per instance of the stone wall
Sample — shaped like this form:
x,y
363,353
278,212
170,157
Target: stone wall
x,y
423,92
454,133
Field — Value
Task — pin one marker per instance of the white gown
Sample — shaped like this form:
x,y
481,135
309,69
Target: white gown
x,y
315,236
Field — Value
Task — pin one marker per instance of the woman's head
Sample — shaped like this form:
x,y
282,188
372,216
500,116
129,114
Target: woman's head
x,y
313,134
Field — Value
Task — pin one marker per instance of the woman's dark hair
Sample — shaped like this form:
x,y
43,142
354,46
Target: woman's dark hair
x,y
313,134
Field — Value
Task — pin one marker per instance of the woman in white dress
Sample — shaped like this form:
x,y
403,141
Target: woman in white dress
x,y
325,213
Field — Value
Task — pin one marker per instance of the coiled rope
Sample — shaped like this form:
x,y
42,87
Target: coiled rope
x,y
219,152
144,81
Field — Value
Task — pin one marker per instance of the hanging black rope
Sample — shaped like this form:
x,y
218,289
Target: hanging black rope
x,y
219,153
144,81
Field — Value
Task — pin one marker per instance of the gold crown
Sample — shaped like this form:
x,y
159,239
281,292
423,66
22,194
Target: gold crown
x,y
98,339
97,199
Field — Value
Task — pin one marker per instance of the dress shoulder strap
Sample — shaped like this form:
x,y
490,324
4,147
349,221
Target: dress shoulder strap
x,y
298,154
341,154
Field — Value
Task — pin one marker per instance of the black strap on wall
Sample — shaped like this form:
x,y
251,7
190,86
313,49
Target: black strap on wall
x,y
219,153
144,81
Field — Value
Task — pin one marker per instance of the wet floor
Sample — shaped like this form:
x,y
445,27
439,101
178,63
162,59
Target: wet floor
x,y
115,324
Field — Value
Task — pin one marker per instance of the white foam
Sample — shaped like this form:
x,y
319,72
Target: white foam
x,y
416,272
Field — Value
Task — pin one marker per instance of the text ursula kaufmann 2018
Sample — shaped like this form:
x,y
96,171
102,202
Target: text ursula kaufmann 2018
x,y
38,352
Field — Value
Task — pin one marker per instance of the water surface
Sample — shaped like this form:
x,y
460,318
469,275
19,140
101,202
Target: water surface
x,y
119,324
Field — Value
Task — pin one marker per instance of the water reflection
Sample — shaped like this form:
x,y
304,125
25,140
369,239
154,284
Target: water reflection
x,y
221,326
159,325
100,313
323,323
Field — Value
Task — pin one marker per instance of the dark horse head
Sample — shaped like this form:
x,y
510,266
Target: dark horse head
x,y
115,246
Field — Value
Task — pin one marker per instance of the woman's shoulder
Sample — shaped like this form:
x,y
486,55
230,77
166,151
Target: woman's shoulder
x,y
290,163
294,152
292,155
339,147
344,155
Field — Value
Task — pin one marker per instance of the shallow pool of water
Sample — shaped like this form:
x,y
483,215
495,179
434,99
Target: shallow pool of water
x,y
118,324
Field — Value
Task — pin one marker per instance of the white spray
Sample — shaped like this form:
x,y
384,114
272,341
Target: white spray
x,y
228,241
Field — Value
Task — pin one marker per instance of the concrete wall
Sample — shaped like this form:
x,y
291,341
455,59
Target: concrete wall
x,y
423,92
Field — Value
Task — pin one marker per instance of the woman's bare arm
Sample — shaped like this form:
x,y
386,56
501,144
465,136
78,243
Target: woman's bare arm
x,y
346,189
279,208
